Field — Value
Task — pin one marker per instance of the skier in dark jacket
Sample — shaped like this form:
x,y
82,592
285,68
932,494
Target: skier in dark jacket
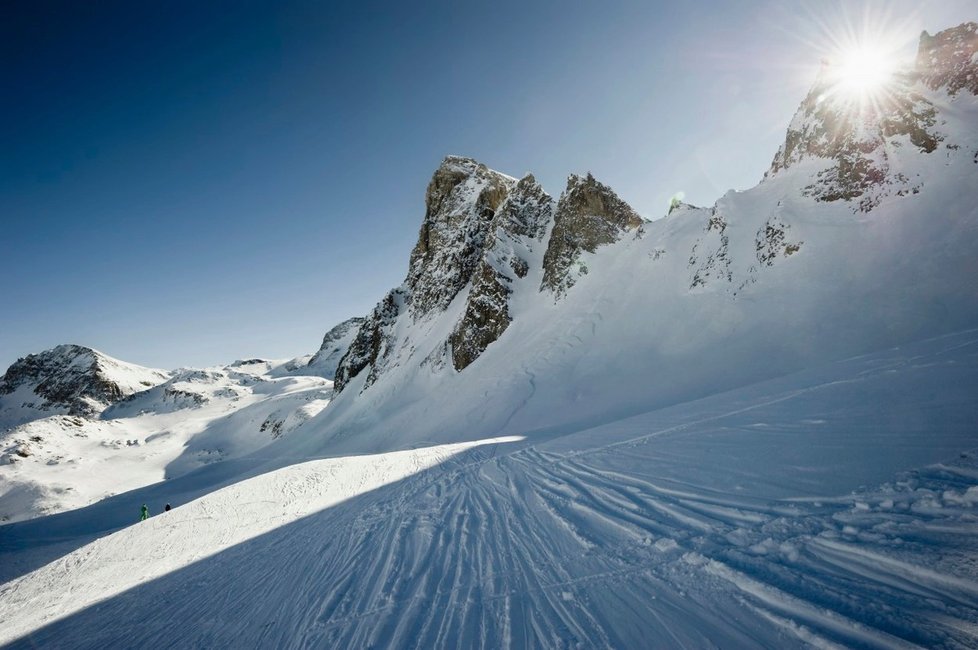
x,y
143,513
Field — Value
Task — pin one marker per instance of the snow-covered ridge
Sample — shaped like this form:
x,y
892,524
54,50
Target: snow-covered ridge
x,y
69,379
195,418
335,344
77,426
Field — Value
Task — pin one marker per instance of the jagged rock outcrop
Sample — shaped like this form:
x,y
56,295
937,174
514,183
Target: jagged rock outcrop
x,y
947,60
588,215
335,344
460,204
70,379
855,137
856,134
771,241
483,230
372,345
516,229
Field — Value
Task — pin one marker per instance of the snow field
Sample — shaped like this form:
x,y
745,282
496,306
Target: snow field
x,y
781,515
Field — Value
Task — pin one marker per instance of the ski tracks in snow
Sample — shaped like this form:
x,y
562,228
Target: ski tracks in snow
x,y
539,549
535,550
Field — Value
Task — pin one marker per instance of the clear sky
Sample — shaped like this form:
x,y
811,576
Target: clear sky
x,y
189,183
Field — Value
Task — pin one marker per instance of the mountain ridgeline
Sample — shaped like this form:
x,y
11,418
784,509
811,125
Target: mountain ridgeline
x,y
483,231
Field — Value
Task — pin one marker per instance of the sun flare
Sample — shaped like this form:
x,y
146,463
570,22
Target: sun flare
x,y
863,71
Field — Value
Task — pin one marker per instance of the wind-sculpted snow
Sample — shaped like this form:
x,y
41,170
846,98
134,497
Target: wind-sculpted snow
x,y
821,509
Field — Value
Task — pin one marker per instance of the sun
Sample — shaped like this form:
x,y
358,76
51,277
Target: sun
x,y
863,71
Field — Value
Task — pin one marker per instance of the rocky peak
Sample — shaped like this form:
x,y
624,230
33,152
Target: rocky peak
x,y
949,59
460,203
527,211
72,379
588,215
855,137
335,344
517,229
460,207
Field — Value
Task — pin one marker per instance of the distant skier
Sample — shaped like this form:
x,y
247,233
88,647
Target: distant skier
x,y
166,508
143,513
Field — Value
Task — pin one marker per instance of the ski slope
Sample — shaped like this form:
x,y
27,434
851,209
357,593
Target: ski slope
x,y
831,507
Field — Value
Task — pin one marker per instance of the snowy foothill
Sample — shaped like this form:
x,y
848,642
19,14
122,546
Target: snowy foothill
x,y
194,418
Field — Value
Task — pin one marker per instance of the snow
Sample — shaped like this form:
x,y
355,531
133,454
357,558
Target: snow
x,y
195,418
819,509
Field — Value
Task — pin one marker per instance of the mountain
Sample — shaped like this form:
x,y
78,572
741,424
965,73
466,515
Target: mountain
x,y
520,313
195,418
71,380
748,424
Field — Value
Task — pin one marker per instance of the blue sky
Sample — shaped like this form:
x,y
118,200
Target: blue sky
x,y
188,183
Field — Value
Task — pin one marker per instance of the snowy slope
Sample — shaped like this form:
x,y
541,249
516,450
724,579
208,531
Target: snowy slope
x,y
194,418
334,346
836,506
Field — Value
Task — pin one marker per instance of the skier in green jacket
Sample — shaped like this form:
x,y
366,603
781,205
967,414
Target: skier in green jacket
x,y
143,513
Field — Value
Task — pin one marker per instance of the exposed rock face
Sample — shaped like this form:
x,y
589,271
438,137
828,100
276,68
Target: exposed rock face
x,y
588,215
856,135
516,229
462,221
484,230
75,380
335,344
771,242
948,59
461,202
373,344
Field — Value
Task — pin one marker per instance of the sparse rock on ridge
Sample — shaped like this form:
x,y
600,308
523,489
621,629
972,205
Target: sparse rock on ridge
x,y
335,344
517,228
460,203
70,379
857,135
948,59
588,215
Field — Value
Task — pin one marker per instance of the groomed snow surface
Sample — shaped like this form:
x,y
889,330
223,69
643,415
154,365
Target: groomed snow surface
x,y
833,507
